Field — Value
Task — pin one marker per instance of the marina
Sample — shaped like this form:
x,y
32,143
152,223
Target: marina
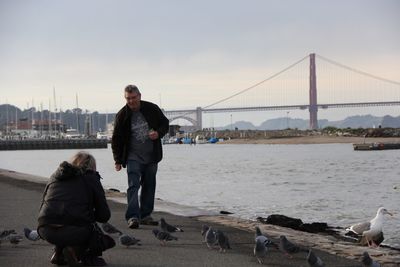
x,y
38,144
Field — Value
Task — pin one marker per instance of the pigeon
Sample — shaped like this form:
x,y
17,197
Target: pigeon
x,y
14,239
288,247
31,234
5,233
164,237
128,240
263,238
169,228
223,241
313,260
367,261
210,238
260,250
204,230
110,229
370,231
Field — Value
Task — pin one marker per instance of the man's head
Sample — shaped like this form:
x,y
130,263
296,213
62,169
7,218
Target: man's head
x,y
132,96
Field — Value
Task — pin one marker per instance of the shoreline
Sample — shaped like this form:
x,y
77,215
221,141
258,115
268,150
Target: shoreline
x,y
317,139
329,244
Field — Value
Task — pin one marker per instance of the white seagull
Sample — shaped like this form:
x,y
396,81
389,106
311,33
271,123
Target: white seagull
x,y
372,229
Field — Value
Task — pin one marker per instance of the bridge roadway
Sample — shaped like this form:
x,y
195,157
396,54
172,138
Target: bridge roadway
x,y
180,113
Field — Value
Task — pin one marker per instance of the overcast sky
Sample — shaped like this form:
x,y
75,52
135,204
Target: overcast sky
x,y
184,53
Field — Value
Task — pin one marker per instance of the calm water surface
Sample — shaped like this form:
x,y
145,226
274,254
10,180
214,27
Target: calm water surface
x,y
330,182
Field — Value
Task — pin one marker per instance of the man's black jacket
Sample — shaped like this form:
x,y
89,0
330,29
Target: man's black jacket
x,y
122,131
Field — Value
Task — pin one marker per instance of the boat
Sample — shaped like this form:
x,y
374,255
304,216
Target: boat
x,y
72,134
376,146
200,139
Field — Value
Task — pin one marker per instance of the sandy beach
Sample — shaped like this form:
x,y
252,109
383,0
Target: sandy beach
x,y
314,140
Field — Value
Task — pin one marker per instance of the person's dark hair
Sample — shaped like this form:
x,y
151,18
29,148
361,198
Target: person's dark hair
x,y
132,89
84,161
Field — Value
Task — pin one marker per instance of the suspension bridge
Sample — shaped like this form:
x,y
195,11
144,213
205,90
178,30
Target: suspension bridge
x,y
295,88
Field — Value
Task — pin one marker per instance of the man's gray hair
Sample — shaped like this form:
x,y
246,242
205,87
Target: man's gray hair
x,y
84,161
132,89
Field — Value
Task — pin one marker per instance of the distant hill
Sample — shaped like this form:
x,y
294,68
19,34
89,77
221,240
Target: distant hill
x,y
71,118
365,121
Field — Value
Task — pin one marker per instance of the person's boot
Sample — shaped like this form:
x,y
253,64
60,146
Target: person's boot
x,y
90,260
71,257
58,258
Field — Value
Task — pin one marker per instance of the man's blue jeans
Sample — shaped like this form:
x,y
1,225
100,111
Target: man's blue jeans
x,y
140,175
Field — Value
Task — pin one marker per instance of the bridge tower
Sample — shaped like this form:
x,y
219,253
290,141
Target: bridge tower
x,y
313,94
199,116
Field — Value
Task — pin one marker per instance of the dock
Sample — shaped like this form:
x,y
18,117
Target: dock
x,y
376,146
37,144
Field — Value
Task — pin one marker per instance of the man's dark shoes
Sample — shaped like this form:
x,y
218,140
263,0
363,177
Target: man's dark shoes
x,y
58,257
148,220
133,223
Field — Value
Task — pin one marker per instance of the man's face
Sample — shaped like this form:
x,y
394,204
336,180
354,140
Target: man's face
x,y
133,100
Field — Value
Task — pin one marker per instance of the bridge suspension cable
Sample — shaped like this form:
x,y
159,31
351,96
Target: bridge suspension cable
x,y
357,71
257,84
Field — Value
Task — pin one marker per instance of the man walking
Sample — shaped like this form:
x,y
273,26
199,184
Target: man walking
x,y
136,144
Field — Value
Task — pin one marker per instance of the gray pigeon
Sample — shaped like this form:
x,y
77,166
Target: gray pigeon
x,y
110,229
164,237
210,238
313,260
15,239
204,230
128,240
222,240
263,238
168,228
31,234
367,261
287,247
260,250
5,233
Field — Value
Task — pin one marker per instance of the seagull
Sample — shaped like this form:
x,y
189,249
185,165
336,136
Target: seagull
x,y
288,247
31,234
367,261
210,238
128,240
313,260
110,229
260,250
164,237
222,240
169,228
371,230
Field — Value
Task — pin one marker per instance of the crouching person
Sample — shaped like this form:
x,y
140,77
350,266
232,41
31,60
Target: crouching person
x,y
73,201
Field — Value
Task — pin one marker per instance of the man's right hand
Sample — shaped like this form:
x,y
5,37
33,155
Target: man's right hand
x,y
117,167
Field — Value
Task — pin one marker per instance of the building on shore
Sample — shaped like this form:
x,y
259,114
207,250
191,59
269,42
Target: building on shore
x,y
28,129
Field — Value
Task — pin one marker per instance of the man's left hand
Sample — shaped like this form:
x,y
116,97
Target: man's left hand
x,y
153,135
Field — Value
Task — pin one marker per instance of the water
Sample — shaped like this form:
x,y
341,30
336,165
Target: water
x,y
329,183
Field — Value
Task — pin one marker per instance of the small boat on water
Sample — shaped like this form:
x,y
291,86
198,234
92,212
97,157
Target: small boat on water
x,y
376,146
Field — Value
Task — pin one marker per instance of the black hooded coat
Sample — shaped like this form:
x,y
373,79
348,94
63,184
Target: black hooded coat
x,y
73,197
